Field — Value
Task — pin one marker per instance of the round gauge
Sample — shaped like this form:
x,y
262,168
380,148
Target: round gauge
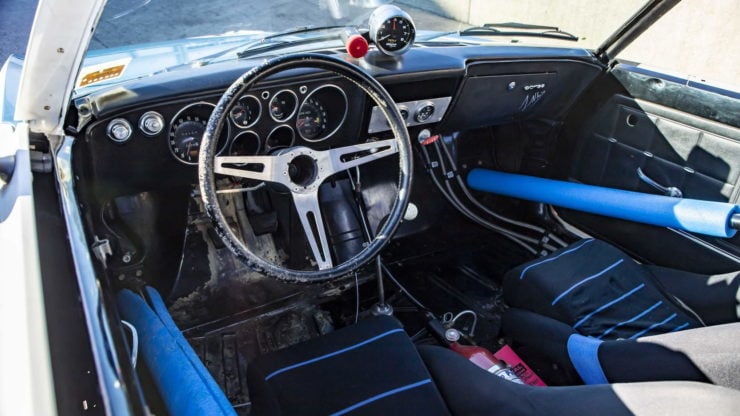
x,y
392,30
246,111
246,143
404,112
186,132
312,119
424,113
280,137
283,105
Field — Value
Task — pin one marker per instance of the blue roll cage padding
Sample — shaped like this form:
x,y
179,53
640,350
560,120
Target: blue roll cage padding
x,y
703,217
183,381
584,354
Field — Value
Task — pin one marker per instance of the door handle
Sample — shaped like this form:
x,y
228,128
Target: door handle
x,y
666,190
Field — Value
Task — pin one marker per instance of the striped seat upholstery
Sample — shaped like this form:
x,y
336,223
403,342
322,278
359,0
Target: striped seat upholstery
x,y
372,368
599,291
586,307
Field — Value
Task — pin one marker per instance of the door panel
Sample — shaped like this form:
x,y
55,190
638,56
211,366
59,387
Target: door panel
x,y
631,134
643,122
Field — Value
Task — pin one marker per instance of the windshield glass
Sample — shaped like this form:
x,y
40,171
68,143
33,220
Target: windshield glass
x,y
172,33
129,22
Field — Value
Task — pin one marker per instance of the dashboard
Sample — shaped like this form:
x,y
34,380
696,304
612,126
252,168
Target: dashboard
x,y
145,134
137,143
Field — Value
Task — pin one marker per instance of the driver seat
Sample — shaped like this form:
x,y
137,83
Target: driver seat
x,y
373,368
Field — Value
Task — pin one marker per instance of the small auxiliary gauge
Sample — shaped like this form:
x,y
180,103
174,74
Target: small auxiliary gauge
x,y
404,112
424,113
392,30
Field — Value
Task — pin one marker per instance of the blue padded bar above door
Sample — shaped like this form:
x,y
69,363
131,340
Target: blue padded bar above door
x,y
703,217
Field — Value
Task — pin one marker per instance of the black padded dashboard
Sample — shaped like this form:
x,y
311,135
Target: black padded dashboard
x,y
478,80
418,64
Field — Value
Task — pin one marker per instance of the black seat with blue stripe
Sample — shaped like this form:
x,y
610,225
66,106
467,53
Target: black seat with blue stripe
x,y
592,308
373,368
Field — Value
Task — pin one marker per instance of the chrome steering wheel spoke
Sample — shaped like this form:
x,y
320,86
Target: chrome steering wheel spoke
x,y
260,168
343,158
309,211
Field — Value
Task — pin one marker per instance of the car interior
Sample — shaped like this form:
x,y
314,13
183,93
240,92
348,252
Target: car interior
x,y
319,234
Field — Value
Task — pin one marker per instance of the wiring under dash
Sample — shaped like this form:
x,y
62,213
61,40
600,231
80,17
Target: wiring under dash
x,y
444,173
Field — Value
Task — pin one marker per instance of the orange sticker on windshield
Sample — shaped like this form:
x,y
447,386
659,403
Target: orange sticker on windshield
x,y
102,72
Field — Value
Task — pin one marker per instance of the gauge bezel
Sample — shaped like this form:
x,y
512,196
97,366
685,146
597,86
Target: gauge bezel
x,y
339,124
109,130
324,118
177,115
401,109
252,132
256,118
151,114
422,106
381,15
269,148
295,107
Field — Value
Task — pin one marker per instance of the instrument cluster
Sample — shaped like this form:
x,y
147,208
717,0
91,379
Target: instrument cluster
x,y
260,122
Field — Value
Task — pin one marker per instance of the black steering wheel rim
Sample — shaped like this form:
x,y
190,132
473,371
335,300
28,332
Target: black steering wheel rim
x,y
206,166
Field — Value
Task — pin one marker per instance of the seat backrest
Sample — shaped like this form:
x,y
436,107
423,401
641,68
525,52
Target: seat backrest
x,y
185,385
599,291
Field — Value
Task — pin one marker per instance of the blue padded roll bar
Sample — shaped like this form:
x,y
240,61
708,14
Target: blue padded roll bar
x,y
704,217
183,381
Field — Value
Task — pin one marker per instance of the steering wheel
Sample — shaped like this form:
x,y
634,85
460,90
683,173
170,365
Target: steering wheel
x,y
302,170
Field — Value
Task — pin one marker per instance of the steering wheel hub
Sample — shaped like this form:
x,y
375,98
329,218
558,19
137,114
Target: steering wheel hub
x,y
303,170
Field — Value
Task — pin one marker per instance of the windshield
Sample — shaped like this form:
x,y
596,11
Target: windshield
x,y
129,22
140,37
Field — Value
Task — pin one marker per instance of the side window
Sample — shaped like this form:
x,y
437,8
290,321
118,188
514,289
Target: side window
x,y
697,40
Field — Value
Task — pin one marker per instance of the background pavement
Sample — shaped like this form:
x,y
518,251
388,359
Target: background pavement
x,y
16,17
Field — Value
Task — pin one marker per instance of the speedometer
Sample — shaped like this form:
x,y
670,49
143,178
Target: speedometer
x,y
392,30
186,132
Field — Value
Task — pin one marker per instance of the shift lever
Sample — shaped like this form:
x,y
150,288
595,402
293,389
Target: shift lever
x,y
381,308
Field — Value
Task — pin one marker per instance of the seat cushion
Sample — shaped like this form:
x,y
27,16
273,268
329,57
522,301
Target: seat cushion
x,y
469,390
601,362
368,368
599,291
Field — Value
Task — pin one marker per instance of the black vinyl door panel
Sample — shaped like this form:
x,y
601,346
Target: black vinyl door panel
x,y
667,145
677,135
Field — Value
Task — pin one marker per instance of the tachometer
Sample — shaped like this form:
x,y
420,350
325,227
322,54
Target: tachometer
x,y
186,132
312,119
392,30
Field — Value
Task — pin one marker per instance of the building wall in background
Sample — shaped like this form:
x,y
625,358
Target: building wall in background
x,y
697,39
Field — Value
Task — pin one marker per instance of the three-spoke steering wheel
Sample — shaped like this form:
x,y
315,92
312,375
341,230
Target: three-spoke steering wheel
x,y
302,170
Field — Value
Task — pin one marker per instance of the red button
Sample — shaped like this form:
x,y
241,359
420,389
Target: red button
x,y
356,46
